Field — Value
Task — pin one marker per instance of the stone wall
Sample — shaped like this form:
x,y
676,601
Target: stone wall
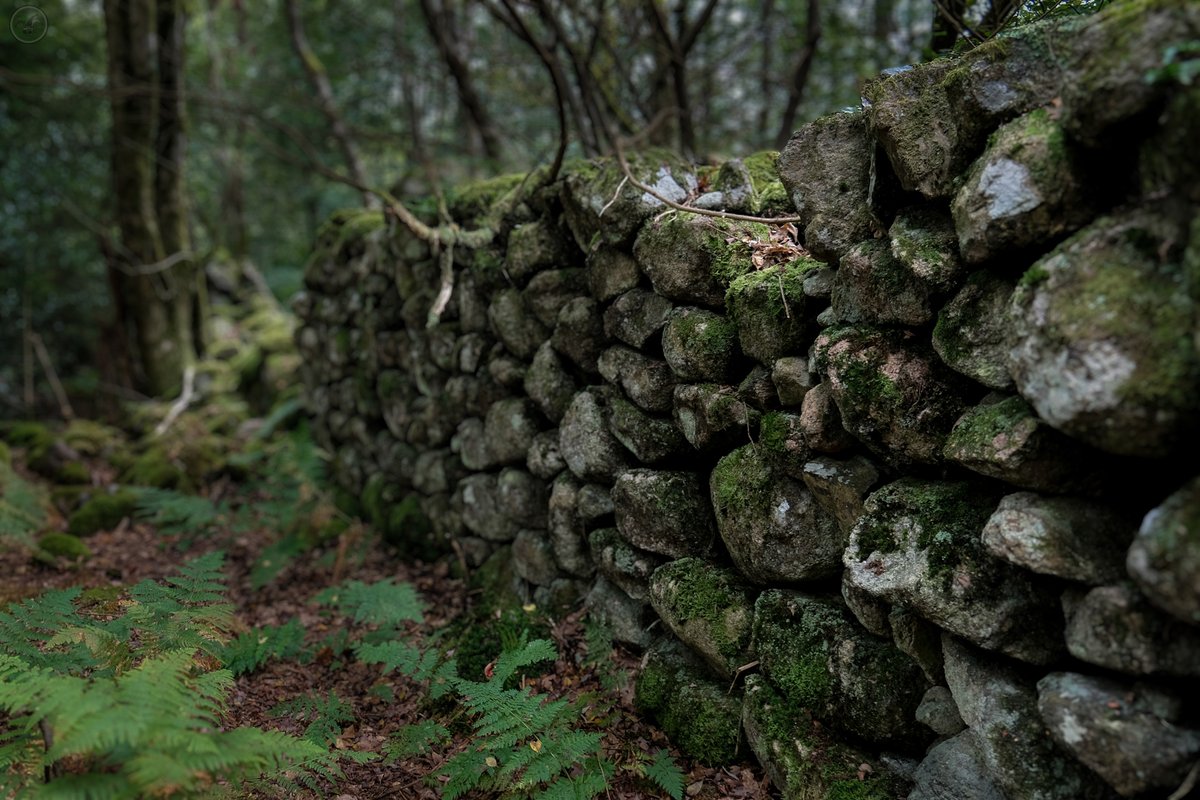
x,y
902,497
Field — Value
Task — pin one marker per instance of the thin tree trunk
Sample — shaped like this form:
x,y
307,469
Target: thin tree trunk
x,y
315,71
766,74
147,321
440,25
947,22
800,73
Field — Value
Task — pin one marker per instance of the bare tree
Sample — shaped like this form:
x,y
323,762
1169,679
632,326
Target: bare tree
x,y
674,47
798,79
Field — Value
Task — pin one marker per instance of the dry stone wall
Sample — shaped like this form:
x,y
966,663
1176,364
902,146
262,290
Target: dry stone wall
x,y
916,477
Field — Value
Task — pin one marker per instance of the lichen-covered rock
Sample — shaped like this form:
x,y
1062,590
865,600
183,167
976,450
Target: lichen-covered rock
x,y
595,503
533,557
691,259
709,608
1166,165
811,650
610,272
871,612
602,208
934,119
871,285
971,334
522,497
506,370
515,325
481,508
470,445
636,316
548,383
508,429
1099,333
1080,540
568,535
552,289
1001,709
437,471
543,458
893,393
1027,189
924,240
579,332
825,168
622,564
939,713
774,529
919,543
587,445
651,439
1005,439
1127,734
822,422
954,770
648,382
672,686
758,389
713,417
1164,559
664,512
700,345
1115,627
1133,38
803,761
840,486
792,379
627,618
536,246
768,307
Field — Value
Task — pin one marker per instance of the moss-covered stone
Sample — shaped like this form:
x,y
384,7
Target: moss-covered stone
x,y
768,306
470,201
102,512
708,608
64,545
691,259
672,686
712,417
972,329
663,512
700,345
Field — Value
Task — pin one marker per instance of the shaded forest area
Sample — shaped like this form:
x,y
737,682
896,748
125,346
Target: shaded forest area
x,y
166,168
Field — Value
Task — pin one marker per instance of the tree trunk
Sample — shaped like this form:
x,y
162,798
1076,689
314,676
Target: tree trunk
x,y
947,23
800,73
153,297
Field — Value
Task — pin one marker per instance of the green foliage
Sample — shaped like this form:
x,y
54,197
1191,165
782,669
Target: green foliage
x,y
662,770
381,603
416,739
22,507
254,648
326,716
131,701
1180,64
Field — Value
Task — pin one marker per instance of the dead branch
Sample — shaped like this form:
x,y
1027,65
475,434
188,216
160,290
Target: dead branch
x,y
64,405
180,405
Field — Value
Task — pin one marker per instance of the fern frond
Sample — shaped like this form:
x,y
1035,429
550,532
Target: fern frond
x,y
531,653
404,657
275,557
325,716
177,513
251,650
92,786
416,739
26,625
666,774
379,603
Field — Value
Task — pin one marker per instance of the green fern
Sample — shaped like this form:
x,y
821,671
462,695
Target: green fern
x,y
382,603
254,648
416,739
326,716
130,701
665,773
22,508
178,513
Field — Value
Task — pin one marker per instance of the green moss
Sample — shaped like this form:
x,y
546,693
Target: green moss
x,y
102,512
73,472
33,436
855,789
711,737
347,225
713,595
5,455
977,429
64,545
792,642
777,291
730,256
773,431
156,469
408,528
742,481
711,334
91,438
474,200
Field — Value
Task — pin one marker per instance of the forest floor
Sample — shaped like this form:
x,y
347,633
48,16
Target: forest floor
x,y
379,705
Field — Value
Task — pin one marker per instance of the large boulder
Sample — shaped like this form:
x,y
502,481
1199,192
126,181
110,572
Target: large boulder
x,y
811,649
1100,337
954,770
664,512
893,392
1115,627
1027,190
773,527
1001,709
710,609
919,544
825,169
1128,734
1164,559
872,285
700,345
